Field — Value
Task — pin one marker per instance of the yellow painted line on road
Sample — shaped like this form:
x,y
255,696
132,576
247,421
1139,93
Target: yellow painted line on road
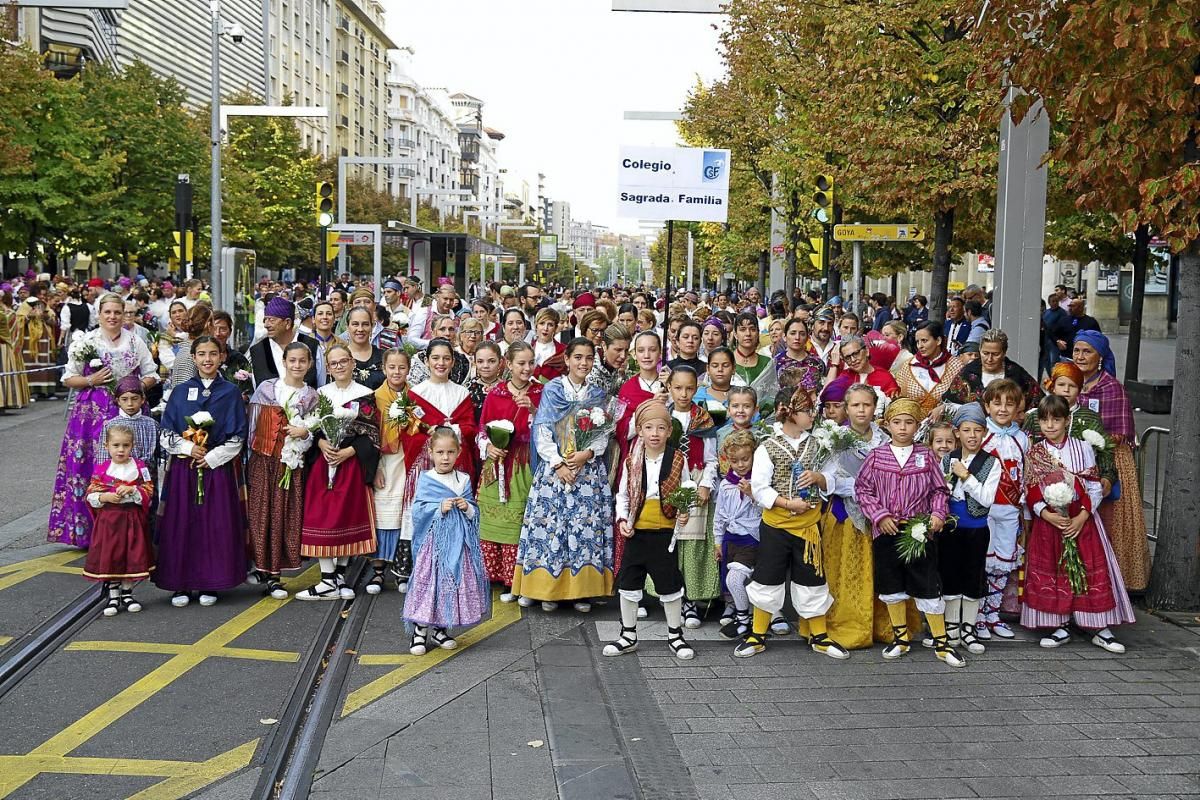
x,y
200,774
22,769
5,640
22,571
180,649
410,666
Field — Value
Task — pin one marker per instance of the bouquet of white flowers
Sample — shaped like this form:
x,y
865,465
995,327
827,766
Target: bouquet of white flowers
x,y
333,421
197,433
1059,496
292,453
914,536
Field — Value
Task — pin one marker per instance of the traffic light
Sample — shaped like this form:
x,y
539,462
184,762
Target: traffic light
x,y
331,245
323,203
823,197
185,257
817,256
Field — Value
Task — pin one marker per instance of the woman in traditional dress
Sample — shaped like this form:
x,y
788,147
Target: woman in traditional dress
x,y
796,353
929,374
648,383
1121,511
487,371
121,353
338,509
610,373
857,619
993,364
445,327
14,383
712,336
470,336
502,507
548,351
36,336
202,534
513,328
277,409
854,366
197,322
368,359
751,368
566,546
716,383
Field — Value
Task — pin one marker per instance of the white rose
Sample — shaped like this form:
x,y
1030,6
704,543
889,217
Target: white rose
x,y
341,412
201,418
96,363
597,416
312,422
687,485
1094,439
918,531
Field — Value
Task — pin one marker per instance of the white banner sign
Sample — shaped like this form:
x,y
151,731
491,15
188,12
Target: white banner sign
x,y
680,183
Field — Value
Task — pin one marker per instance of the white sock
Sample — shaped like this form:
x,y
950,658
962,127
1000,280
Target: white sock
x,y
674,612
735,582
970,612
629,609
328,565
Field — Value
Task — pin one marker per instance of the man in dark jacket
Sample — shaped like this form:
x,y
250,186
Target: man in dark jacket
x,y
1079,321
955,328
266,355
1056,332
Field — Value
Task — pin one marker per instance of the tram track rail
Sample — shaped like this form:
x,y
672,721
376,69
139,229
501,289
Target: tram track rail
x,y
294,749
23,655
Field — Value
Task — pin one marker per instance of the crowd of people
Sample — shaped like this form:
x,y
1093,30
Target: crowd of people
x,y
768,467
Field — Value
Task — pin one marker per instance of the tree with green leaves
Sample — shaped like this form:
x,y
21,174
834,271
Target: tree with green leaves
x,y
1127,77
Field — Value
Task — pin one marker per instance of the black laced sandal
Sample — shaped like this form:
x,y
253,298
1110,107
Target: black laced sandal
x,y
375,585
679,646
442,639
113,604
737,627
419,645
627,642
821,643
946,652
128,603
275,589
900,643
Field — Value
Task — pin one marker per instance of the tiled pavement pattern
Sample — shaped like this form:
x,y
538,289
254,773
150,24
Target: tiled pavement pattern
x,y
1018,721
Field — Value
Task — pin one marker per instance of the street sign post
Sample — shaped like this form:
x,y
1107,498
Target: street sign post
x,y
901,232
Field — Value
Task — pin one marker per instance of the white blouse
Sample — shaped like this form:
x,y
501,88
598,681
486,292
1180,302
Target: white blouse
x,y
121,364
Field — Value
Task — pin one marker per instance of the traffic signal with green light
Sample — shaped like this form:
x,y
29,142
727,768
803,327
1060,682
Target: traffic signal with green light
x,y
823,197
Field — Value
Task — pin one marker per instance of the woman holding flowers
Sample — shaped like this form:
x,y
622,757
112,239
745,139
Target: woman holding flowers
x,y
1070,567
279,441
202,536
565,551
96,361
338,509
504,442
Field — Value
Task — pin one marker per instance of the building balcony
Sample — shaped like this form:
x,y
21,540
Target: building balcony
x,y
343,121
403,143
403,173
344,57
343,90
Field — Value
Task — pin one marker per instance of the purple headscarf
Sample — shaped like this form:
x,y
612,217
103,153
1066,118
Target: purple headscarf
x,y
1099,342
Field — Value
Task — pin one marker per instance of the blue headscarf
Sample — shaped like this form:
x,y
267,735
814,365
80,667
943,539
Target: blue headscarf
x,y
1099,342
554,408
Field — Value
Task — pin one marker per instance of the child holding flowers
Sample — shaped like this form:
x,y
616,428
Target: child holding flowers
x,y
647,518
1071,569
786,483
275,471
391,398
202,539
504,442
903,483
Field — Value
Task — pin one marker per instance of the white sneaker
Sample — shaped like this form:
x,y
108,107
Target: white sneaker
x,y
583,608
372,588
548,605
524,602
1106,641
507,597
982,631
279,594
180,599
1058,637
1003,631
208,600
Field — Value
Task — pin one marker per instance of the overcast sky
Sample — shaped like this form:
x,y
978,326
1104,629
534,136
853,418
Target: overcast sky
x,y
556,77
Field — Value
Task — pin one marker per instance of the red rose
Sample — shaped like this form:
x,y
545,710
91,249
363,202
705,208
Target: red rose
x,y
585,423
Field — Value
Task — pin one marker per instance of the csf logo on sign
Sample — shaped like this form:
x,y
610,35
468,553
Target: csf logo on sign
x,y
714,165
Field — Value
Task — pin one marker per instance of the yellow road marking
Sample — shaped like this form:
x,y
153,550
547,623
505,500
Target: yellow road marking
x,y
503,615
21,769
5,640
180,649
22,571
199,774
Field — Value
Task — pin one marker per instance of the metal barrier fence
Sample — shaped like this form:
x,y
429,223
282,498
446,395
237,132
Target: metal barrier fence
x,y
1152,455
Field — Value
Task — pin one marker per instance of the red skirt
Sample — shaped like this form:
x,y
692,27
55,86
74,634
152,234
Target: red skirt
x,y
1047,587
338,521
499,560
120,548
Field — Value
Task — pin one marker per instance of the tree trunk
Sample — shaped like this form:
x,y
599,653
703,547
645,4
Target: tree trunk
x,y
943,235
1175,578
835,252
792,235
1141,255
764,267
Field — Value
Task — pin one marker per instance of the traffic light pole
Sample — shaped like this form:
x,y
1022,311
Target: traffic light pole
x,y
323,289
667,282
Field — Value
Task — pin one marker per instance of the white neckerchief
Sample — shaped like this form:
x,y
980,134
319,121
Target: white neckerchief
x,y
123,472
445,397
902,454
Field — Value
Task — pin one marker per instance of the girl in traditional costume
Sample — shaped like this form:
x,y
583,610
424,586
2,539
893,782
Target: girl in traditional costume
x,y
202,535
694,545
449,587
507,471
649,382
119,493
737,520
565,550
645,516
97,361
857,619
279,442
339,519
1063,492
548,351
395,409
